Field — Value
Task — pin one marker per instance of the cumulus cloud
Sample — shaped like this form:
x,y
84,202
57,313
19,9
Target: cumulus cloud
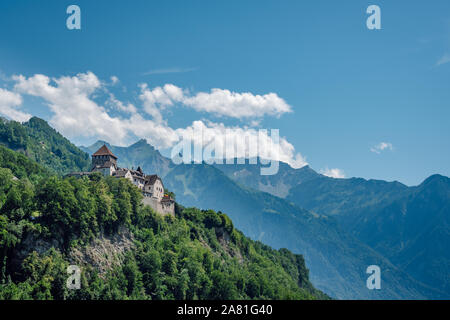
x,y
333,173
120,106
157,99
236,142
9,103
382,146
237,105
75,114
220,102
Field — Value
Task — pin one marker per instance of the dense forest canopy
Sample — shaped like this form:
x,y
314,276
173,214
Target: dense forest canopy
x,y
48,222
43,144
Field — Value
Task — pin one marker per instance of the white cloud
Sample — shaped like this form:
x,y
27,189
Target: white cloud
x,y
333,173
234,142
75,114
160,135
443,60
220,102
226,103
114,80
159,98
9,102
119,105
381,147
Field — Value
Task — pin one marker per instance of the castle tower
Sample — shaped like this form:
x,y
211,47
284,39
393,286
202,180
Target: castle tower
x,y
104,160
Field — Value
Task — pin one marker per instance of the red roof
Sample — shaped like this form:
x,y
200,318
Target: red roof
x,y
104,151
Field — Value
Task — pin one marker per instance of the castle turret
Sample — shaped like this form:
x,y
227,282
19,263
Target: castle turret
x,y
104,160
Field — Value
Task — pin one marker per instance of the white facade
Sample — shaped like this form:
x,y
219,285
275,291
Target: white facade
x,y
138,182
156,190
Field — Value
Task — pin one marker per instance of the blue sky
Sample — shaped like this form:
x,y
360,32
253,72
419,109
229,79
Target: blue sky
x,y
349,89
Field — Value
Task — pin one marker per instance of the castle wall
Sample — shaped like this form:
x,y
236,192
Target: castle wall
x,y
105,171
101,160
155,204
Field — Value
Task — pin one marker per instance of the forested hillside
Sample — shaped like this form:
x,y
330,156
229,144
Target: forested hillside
x,y
125,250
43,144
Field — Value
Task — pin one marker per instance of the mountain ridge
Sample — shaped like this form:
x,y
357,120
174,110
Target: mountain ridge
x,y
397,221
336,258
208,187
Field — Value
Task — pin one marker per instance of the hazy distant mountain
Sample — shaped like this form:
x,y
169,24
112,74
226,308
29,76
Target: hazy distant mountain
x,y
278,184
408,225
414,231
337,261
346,199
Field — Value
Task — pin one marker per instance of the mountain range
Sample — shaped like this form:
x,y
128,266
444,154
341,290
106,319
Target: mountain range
x,y
306,212
341,226
407,225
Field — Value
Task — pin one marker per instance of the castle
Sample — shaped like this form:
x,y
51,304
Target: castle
x,y
152,187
